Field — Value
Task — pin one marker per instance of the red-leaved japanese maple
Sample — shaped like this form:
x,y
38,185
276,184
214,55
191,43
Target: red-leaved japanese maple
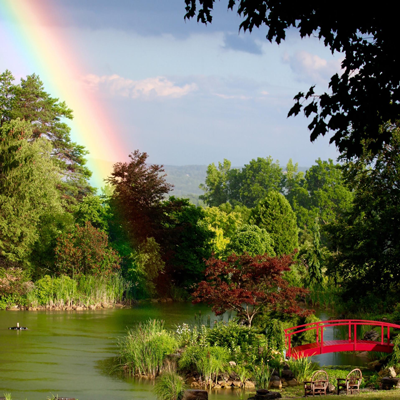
x,y
249,285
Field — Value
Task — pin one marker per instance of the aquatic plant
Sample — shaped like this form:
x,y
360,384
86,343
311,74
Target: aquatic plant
x,y
169,386
262,375
144,349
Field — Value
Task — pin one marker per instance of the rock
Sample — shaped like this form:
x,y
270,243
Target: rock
x,y
169,300
217,386
390,383
249,385
119,305
392,372
293,382
264,394
375,365
190,380
287,374
195,395
154,301
79,308
232,363
275,384
371,335
237,384
228,383
195,384
284,384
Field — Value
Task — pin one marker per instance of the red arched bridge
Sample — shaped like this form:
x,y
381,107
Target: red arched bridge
x,y
322,346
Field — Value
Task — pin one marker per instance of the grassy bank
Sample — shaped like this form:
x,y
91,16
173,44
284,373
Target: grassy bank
x,y
66,293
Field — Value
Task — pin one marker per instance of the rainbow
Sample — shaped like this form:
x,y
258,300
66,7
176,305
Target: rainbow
x,y
27,34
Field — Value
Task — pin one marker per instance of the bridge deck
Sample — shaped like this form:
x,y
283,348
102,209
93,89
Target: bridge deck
x,y
331,346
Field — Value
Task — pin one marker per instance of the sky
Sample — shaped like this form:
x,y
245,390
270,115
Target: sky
x,y
139,76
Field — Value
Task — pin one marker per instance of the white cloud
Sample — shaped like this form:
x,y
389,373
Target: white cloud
x,y
150,88
312,68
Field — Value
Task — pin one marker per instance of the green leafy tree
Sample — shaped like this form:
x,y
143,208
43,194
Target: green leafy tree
x,y
252,240
365,240
28,189
85,251
216,185
186,242
366,95
94,209
258,178
275,215
312,256
323,194
224,225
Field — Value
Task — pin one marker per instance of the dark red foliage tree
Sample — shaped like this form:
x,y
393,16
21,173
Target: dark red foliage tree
x,y
138,193
249,286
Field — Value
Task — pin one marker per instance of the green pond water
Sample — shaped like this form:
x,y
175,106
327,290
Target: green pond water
x,y
66,353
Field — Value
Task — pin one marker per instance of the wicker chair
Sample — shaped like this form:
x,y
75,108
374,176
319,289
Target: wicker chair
x,y
352,383
317,385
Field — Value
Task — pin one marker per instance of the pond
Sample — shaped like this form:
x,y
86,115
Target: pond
x,y
65,353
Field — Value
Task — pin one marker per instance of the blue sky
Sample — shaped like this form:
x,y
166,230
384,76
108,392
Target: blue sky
x,y
187,93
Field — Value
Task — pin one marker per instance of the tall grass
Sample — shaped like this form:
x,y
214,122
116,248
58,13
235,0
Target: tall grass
x,y
144,349
302,368
169,386
84,291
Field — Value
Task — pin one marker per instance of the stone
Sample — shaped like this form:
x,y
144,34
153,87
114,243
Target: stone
x,y
284,384
375,365
249,385
217,386
154,301
292,382
287,374
392,372
79,308
275,384
237,384
371,335
232,363
264,394
195,395
195,384
228,383
390,383
190,380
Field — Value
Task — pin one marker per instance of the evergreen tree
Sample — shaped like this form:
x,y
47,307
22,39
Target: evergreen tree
x,y
29,101
275,215
28,188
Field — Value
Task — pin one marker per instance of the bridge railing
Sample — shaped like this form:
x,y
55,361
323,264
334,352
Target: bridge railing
x,y
321,325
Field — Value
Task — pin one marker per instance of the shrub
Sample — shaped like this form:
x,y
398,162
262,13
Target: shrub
x,y
169,386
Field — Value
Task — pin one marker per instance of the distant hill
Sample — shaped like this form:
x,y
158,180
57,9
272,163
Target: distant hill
x,y
186,178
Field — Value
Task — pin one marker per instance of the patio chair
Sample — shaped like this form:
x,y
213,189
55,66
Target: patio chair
x,y
317,385
352,383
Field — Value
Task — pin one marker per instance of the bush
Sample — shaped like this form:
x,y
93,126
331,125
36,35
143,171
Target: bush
x,y
145,347
302,368
169,386
242,342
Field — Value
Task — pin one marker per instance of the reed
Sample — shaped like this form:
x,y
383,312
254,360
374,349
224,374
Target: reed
x,y
302,368
86,290
169,386
144,349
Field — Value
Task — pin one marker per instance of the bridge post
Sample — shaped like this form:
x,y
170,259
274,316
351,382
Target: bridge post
x,y
349,331
382,334
355,336
317,330
388,334
289,353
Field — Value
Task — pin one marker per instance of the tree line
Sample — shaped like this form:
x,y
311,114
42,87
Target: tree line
x,y
337,221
